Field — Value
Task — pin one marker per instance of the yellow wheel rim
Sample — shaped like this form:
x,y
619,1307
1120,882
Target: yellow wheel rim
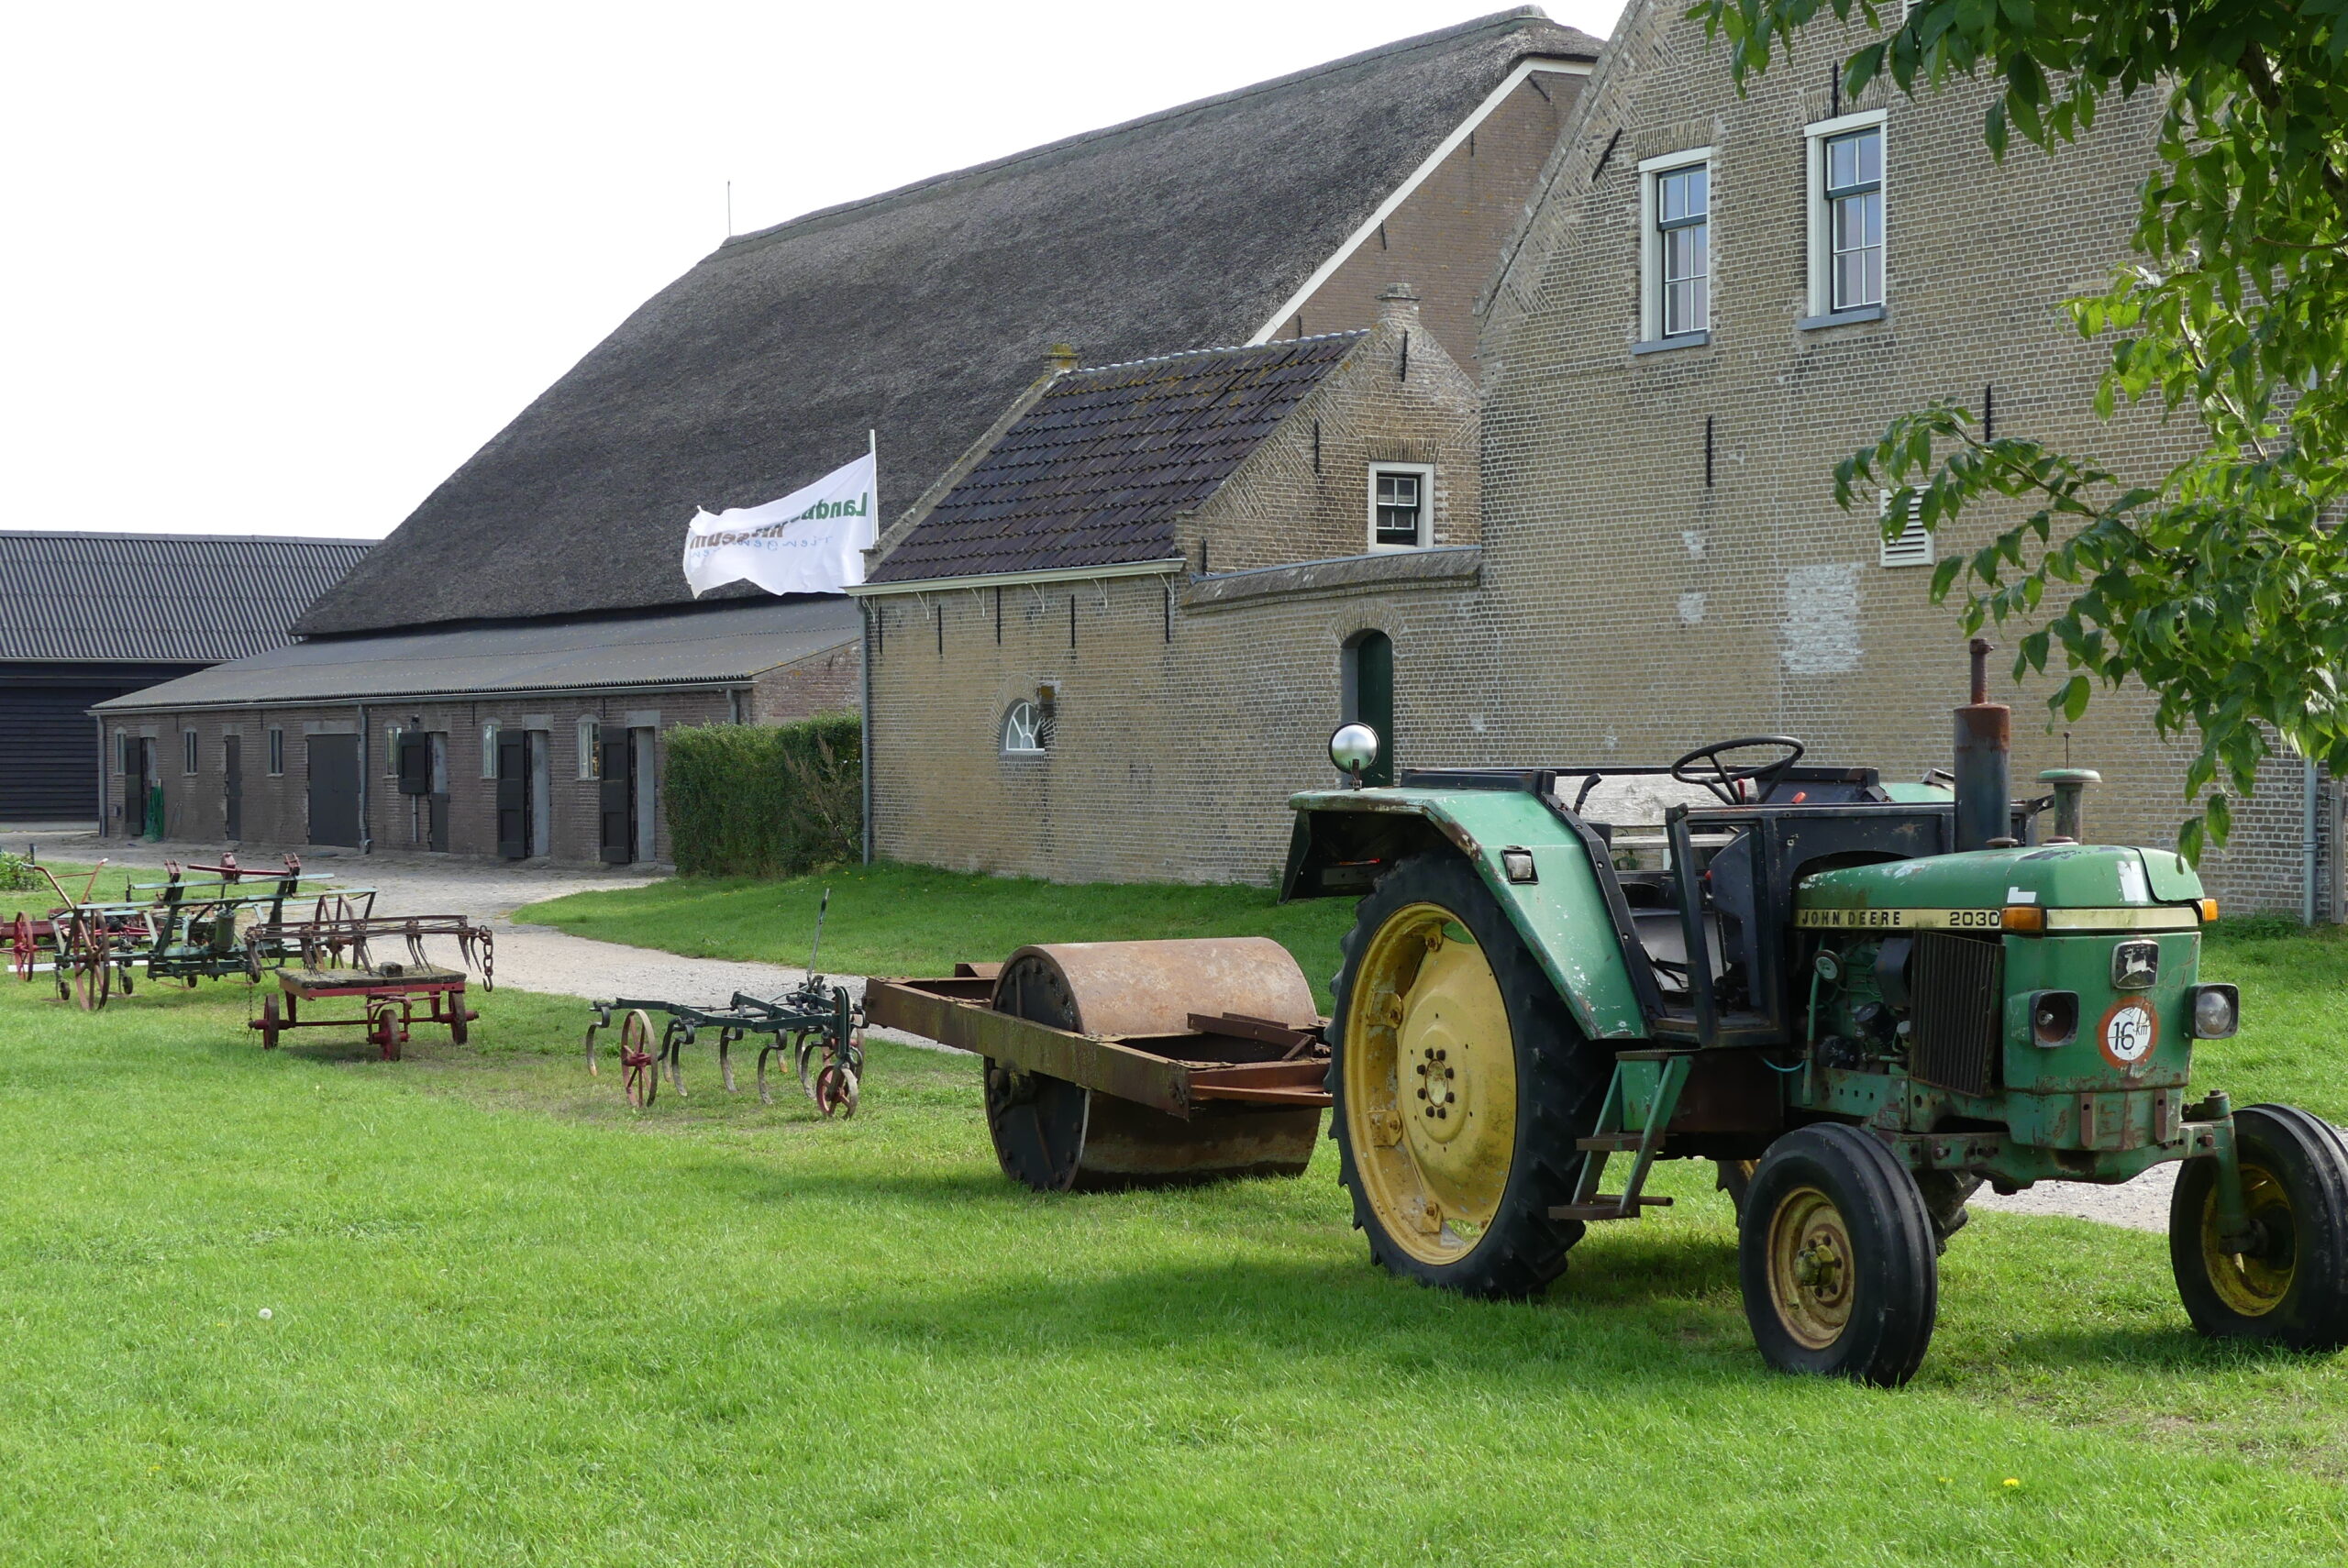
x,y
2252,1285
1809,1267
1430,1077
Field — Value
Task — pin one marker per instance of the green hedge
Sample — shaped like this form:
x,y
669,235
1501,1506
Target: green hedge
x,y
767,800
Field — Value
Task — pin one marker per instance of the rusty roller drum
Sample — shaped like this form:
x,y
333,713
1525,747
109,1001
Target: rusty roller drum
x,y
1056,1136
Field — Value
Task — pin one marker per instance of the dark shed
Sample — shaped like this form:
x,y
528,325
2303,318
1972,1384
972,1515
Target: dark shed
x,y
85,617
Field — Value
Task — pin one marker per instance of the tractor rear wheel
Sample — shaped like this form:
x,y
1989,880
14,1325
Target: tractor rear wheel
x,y
2289,1283
1838,1259
1460,1084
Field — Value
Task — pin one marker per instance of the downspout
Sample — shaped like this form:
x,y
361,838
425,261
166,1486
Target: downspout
x,y
2307,799
104,831
864,741
366,825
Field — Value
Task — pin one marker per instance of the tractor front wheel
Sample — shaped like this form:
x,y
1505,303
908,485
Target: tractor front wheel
x,y
2287,1280
1837,1254
1460,1084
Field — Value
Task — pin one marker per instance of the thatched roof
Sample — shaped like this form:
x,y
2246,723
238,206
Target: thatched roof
x,y
1096,471
158,598
921,313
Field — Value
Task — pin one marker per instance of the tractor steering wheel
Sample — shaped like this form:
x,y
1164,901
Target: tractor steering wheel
x,y
1724,780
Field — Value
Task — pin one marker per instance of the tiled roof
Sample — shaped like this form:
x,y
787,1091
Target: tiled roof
x,y
159,598
921,313
1096,471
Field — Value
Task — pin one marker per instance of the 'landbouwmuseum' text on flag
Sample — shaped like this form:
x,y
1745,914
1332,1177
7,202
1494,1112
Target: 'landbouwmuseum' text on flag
x,y
811,541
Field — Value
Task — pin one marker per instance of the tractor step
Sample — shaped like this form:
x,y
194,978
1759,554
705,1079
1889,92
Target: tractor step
x,y
1605,1207
1615,1142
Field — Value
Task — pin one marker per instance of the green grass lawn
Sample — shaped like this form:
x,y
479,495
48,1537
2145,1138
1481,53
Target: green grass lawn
x,y
514,1321
916,919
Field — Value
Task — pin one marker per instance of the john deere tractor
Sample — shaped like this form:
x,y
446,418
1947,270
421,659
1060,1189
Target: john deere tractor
x,y
1862,1000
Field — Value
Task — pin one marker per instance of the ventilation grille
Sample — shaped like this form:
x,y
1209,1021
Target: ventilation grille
x,y
1914,545
1956,995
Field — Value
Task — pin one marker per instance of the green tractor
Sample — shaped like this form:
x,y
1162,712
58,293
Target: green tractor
x,y
1862,1000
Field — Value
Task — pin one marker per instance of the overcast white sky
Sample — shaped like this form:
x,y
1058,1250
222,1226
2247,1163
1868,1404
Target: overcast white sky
x,y
280,268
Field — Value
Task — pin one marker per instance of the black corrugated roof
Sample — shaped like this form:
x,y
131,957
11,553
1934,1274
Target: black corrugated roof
x,y
921,313
159,598
1095,473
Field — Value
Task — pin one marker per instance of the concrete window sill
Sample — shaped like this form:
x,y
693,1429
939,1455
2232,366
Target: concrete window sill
x,y
1840,318
1666,345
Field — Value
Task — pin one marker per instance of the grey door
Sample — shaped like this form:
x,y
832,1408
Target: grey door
x,y
436,804
232,785
333,789
541,794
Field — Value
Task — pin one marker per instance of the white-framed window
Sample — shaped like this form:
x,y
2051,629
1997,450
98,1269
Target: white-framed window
x,y
1914,544
390,751
1401,506
1026,729
591,748
1844,158
1675,244
276,752
122,751
489,751
189,751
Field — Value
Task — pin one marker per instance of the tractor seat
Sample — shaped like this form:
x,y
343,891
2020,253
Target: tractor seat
x,y
1665,943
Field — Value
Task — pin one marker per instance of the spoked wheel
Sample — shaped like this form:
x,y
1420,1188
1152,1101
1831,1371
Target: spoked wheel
x,y
1460,1084
836,1091
2287,1280
270,1023
639,1074
383,1029
1836,1254
93,974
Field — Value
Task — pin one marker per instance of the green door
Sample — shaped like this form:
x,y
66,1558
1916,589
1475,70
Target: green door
x,y
1369,697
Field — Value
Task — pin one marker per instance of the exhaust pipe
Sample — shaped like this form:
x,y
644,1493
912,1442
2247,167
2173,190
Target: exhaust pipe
x,y
1984,764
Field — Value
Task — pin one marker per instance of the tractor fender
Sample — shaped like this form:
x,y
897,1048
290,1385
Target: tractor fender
x,y
1345,838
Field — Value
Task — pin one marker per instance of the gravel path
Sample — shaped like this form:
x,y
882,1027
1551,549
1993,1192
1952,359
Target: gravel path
x,y
542,958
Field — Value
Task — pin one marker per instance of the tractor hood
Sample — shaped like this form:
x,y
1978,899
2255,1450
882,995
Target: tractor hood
x,y
2083,887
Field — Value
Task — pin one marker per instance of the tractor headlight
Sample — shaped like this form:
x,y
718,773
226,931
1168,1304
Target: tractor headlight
x,y
2215,1011
2053,1017
1353,748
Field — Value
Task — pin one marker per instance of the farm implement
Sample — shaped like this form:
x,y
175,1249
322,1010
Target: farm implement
x,y
180,930
815,1024
393,996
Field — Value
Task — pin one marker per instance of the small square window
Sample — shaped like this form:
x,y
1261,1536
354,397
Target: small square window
x,y
1401,507
276,753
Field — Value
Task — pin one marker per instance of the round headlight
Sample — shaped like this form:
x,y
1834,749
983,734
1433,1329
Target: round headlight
x,y
1353,748
2217,1013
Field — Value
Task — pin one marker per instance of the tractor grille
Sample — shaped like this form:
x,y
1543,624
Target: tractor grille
x,y
1956,995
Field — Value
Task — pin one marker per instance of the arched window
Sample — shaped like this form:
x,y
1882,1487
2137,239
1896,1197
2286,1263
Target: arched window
x,y
1367,669
1026,730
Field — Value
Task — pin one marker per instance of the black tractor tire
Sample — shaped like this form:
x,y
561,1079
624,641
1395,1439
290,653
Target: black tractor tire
x,y
1561,1079
1867,1313
2292,1288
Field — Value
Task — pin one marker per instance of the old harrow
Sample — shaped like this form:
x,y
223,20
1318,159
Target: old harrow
x,y
816,1024
32,939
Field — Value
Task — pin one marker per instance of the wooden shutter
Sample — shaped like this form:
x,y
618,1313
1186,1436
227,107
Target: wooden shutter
x,y
416,762
616,799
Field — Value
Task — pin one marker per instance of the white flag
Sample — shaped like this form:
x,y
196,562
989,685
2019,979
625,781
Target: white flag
x,y
811,541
